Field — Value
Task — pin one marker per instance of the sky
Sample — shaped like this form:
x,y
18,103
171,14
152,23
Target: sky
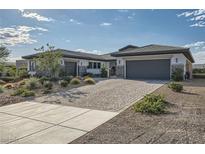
x,y
101,31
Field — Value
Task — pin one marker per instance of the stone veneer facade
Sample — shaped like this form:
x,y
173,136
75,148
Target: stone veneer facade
x,y
120,71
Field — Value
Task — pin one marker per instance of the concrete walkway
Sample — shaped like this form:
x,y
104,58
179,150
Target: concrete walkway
x,y
31,122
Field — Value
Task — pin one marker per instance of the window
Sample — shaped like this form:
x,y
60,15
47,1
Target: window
x,y
176,60
90,65
99,65
32,66
118,61
94,65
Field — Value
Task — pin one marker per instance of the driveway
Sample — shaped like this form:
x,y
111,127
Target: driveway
x,y
108,95
31,122
82,110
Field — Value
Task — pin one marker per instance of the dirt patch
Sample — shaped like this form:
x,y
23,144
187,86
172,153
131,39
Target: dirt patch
x,y
184,122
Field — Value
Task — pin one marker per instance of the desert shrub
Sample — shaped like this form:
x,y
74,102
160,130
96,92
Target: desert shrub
x,y
23,92
21,83
175,87
89,81
54,79
22,73
7,79
75,81
103,72
32,83
87,75
1,89
151,103
67,78
199,70
63,83
9,86
28,93
177,74
2,82
43,79
48,85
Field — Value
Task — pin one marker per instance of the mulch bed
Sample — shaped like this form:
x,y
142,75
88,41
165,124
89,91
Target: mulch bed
x,y
184,121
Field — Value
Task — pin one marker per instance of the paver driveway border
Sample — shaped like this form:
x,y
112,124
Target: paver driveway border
x,y
31,125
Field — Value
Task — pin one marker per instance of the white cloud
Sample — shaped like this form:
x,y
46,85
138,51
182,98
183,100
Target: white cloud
x,y
198,51
18,35
75,21
13,58
105,24
199,57
195,44
98,52
68,41
197,16
198,24
36,16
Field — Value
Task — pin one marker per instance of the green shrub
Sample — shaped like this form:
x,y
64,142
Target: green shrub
x,y
63,83
23,92
18,91
43,79
48,84
177,74
175,87
103,72
54,79
7,79
198,70
28,93
89,80
75,81
67,78
32,83
1,89
151,103
22,73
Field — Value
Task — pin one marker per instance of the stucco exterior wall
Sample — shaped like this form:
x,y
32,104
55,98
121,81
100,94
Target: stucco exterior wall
x,y
175,60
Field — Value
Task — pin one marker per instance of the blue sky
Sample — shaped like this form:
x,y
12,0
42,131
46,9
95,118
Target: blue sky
x,y
101,31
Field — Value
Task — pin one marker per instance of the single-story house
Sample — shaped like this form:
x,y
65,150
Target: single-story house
x,y
131,62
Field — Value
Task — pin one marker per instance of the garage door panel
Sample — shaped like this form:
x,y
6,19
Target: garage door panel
x,y
70,68
148,69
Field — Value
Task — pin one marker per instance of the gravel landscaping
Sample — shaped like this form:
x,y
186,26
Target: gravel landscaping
x,y
108,95
7,99
184,121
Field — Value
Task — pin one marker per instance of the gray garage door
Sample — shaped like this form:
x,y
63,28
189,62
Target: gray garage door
x,y
70,68
148,69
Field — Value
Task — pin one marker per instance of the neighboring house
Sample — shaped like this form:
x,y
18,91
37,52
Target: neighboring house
x,y
21,64
131,62
198,66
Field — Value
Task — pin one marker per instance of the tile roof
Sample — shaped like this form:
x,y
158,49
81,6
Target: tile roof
x,y
154,49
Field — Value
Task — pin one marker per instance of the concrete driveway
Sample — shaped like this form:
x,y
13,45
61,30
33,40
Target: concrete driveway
x,y
83,109
108,95
31,122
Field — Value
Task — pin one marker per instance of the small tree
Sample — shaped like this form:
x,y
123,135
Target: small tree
x,y
104,72
48,60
